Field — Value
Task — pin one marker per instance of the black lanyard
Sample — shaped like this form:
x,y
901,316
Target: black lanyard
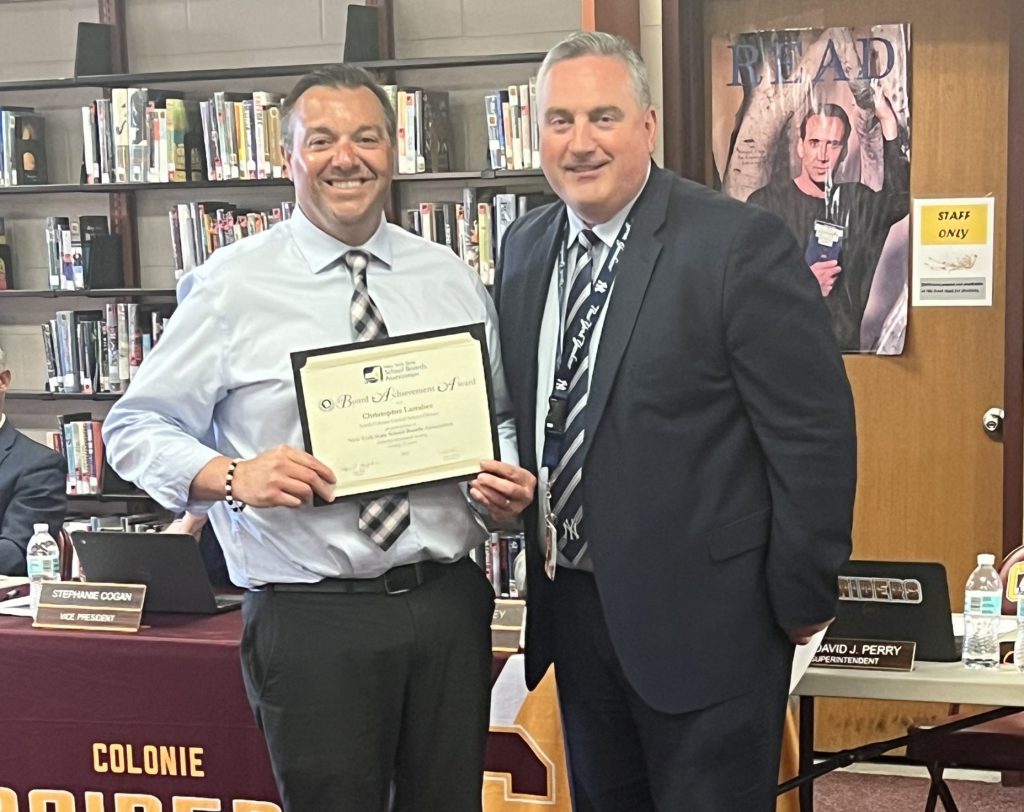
x,y
576,348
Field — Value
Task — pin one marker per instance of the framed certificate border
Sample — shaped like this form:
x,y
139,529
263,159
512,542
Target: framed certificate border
x,y
475,331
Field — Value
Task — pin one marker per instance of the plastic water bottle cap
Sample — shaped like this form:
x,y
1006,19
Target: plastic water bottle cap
x,y
41,527
986,559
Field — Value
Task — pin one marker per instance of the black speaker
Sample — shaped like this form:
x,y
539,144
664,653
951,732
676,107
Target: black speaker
x,y
94,51
362,37
105,269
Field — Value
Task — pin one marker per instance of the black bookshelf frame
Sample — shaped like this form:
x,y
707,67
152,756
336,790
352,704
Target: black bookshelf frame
x,y
25,394
90,293
265,72
487,175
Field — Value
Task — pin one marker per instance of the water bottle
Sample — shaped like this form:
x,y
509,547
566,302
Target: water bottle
x,y
983,603
1018,646
42,560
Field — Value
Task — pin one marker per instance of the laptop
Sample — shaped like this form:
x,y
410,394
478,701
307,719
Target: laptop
x,y
897,600
169,564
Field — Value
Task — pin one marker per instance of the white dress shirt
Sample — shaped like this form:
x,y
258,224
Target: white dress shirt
x,y
220,381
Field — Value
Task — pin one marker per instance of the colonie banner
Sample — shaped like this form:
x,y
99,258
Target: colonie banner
x,y
139,765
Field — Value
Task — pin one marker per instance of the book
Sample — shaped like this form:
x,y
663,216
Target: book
x,y
90,145
495,154
29,149
438,141
121,134
90,226
504,213
515,120
6,260
138,135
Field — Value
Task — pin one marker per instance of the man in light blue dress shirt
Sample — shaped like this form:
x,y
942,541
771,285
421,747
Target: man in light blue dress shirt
x,y
368,668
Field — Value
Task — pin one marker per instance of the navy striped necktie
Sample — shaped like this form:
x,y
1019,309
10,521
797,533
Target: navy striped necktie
x,y
566,480
385,518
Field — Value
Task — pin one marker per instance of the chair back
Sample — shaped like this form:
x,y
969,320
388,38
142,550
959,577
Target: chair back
x,y
66,552
1014,557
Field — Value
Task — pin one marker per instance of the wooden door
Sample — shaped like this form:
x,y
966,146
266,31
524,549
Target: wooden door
x,y
930,479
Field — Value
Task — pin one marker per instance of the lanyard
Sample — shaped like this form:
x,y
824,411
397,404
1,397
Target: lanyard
x,y
577,345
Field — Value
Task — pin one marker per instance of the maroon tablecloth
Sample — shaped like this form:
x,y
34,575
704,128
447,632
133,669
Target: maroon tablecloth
x,y
160,713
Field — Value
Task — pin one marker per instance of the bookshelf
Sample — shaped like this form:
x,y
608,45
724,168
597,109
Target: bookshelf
x,y
124,200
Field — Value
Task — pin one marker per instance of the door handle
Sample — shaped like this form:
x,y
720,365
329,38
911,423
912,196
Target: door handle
x,y
993,422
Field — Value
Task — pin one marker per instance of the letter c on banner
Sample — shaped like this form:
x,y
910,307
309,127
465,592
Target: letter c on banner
x,y
99,763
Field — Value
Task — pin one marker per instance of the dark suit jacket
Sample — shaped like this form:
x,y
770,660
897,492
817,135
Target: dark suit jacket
x,y
720,445
32,489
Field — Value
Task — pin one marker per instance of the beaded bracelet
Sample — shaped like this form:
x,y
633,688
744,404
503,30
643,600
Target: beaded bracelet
x,y
233,503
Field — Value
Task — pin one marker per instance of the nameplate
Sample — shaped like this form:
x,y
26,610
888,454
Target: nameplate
x,y
507,625
873,655
97,607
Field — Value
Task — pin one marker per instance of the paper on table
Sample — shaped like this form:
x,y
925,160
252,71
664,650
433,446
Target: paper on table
x,y
16,607
802,657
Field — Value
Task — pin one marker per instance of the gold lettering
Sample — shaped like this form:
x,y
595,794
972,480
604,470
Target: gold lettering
x,y
51,800
136,803
8,800
94,802
131,767
149,760
186,803
168,760
115,753
254,806
195,762
99,750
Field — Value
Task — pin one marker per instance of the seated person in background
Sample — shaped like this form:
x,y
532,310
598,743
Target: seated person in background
x,y
32,487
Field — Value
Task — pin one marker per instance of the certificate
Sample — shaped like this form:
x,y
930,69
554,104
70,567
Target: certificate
x,y
392,414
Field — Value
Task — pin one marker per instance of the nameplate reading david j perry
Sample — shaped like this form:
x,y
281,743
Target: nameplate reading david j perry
x,y
103,607
883,655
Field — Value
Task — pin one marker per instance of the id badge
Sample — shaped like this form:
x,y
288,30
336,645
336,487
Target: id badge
x,y
550,539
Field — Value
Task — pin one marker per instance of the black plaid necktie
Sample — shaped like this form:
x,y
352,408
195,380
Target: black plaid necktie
x,y
566,479
385,518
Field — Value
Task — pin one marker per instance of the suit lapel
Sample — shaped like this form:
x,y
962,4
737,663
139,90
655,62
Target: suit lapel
x,y
7,437
538,269
631,279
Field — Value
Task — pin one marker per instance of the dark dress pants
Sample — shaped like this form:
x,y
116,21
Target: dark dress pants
x,y
356,693
625,756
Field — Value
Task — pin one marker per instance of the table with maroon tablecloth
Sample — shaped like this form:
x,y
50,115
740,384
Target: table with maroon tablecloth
x,y
162,715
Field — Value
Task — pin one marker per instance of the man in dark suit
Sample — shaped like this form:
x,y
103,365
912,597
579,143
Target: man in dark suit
x,y
678,388
32,485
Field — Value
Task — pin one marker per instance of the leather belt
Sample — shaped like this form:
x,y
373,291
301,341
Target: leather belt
x,y
395,581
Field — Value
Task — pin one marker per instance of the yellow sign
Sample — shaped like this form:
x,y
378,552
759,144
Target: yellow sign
x,y
963,224
1015,582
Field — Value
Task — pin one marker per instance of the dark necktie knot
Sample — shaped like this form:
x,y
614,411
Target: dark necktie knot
x,y
588,240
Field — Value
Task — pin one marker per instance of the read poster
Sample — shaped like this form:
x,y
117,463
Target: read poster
x,y
814,125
